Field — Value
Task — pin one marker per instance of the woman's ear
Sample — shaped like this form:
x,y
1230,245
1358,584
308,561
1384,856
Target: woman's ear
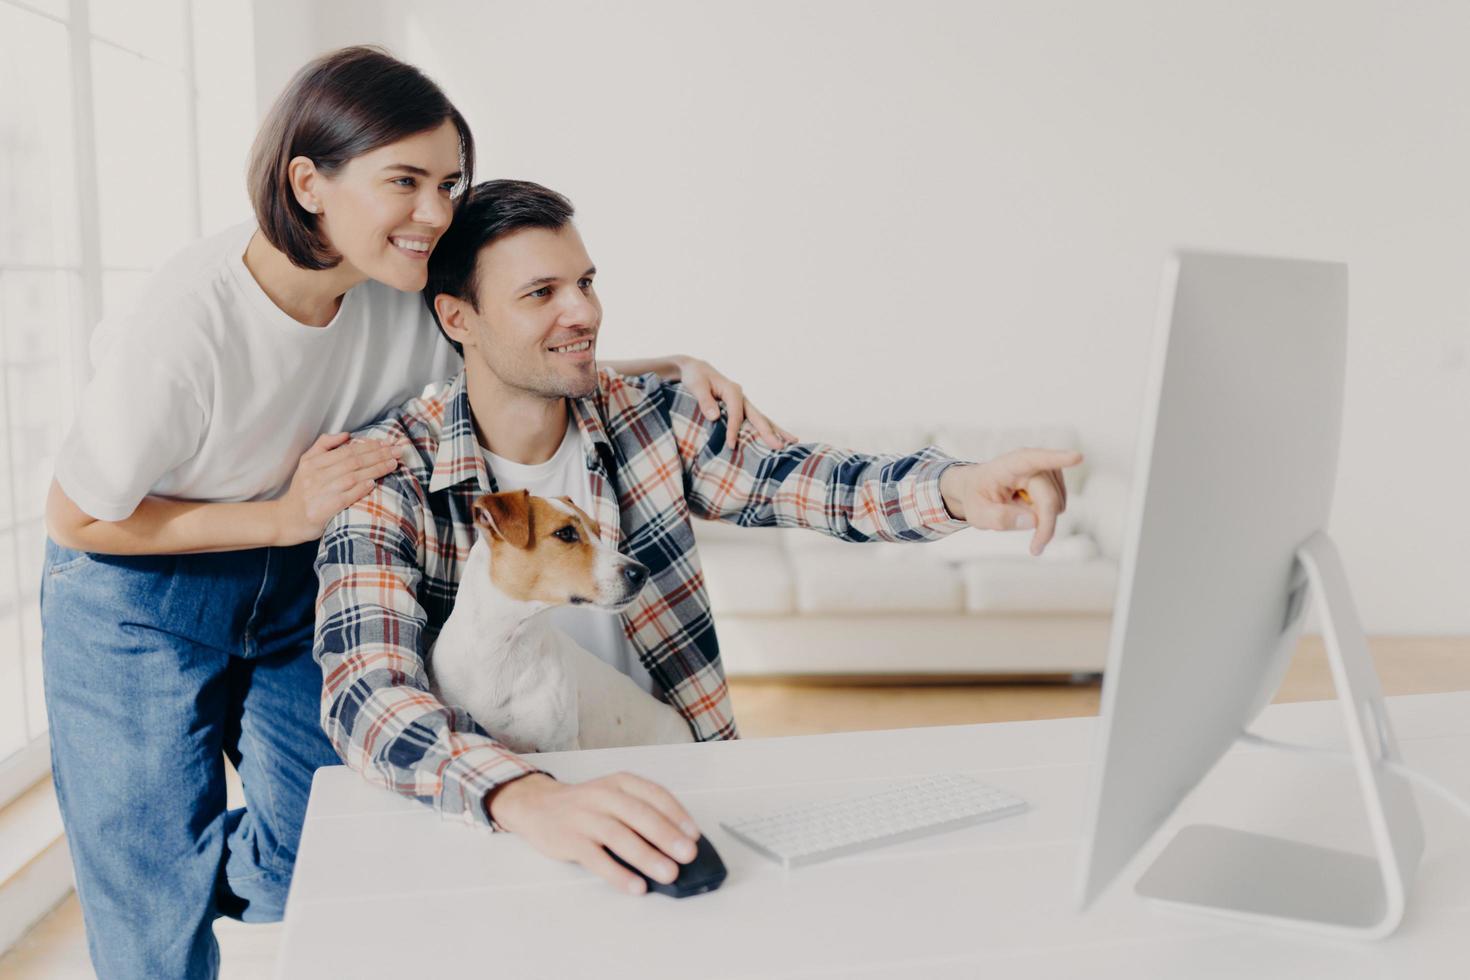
x,y
304,180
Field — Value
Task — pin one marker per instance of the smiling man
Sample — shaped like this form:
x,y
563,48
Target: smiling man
x,y
512,287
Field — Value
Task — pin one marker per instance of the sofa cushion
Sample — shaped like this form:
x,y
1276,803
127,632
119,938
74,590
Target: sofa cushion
x,y
800,540
1103,511
873,440
723,532
971,545
854,583
751,578
1020,585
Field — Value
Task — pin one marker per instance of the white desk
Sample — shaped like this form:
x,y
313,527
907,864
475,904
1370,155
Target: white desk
x,y
385,888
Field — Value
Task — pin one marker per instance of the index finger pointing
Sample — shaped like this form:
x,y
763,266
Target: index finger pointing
x,y
1028,462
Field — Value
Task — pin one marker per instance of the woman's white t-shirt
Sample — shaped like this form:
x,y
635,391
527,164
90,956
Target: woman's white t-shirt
x,y
565,475
206,390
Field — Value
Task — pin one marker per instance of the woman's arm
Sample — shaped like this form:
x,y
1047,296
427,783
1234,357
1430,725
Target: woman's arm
x,y
665,367
709,387
334,473
162,527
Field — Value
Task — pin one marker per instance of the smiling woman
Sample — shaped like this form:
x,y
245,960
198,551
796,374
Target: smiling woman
x,y
378,215
334,183
209,450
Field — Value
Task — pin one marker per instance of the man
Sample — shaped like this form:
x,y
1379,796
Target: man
x,y
511,285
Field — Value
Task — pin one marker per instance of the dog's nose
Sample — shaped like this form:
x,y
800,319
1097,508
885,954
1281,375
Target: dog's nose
x,y
635,575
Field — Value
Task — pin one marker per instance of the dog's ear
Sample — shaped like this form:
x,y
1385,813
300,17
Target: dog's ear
x,y
506,516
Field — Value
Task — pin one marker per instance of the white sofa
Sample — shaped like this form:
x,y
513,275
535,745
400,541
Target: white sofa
x,y
796,602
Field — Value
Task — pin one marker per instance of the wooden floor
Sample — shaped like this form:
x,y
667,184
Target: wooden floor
x,y
56,949
766,708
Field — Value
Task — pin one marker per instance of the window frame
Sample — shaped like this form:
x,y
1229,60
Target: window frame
x,y
23,768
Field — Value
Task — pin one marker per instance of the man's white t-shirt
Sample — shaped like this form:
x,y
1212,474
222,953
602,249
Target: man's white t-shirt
x,y
206,390
565,475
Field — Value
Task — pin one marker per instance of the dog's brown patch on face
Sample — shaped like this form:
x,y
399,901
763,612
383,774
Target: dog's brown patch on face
x,y
541,550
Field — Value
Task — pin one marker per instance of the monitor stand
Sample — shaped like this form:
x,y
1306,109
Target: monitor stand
x,y
1288,883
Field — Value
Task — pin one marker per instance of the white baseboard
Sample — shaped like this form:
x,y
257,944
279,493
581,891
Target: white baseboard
x,y
35,865
33,892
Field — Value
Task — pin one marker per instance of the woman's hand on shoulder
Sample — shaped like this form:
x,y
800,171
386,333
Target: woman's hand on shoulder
x,y
335,473
710,387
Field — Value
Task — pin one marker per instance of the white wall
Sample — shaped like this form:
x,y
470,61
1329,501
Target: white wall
x,y
935,210
226,96
289,33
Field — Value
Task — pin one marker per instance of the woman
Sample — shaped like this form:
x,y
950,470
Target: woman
x,y
208,454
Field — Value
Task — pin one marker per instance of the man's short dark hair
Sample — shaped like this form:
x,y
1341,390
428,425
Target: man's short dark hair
x,y
346,103
489,212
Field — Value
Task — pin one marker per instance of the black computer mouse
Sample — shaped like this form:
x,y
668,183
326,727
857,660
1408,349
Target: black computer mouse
x,y
704,874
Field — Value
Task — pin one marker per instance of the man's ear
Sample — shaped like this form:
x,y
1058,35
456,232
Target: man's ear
x,y
506,516
452,311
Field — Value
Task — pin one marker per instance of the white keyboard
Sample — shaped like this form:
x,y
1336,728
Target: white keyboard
x,y
818,831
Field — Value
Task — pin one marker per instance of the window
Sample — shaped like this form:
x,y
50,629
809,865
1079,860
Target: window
x,y
100,182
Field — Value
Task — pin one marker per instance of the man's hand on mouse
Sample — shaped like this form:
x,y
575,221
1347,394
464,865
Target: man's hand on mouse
x,y
1021,489
575,821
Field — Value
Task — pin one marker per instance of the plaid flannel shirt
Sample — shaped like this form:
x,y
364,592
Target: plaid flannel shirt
x,y
390,564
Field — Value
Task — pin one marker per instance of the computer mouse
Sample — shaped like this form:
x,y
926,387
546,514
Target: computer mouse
x,y
704,874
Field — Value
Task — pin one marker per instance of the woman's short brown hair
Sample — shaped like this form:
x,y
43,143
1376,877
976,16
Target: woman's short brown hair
x,y
344,104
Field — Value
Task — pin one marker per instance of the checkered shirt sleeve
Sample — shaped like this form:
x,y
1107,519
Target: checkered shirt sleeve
x,y
849,495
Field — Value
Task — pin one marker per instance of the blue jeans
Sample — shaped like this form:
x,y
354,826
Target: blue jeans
x,y
157,668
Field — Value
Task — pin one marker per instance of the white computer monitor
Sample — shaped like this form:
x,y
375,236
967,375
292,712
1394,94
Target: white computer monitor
x,y
1226,544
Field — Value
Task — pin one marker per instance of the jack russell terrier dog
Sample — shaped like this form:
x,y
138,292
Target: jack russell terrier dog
x,y
525,682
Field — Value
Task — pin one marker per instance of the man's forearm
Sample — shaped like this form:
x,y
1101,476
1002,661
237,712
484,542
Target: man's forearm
x,y
848,495
517,786
386,725
377,707
160,526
